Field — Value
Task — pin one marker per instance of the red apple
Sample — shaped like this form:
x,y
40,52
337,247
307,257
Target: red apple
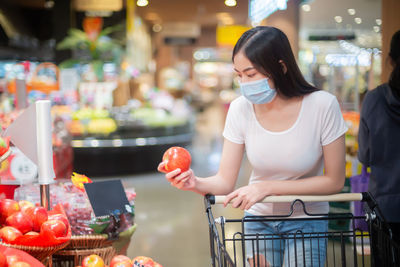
x,y
57,227
32,233
12,259
19,264
121,261
21,221
3,260
38,216
60,217
92,260
7,208
176,157
24,204
9,233
142,261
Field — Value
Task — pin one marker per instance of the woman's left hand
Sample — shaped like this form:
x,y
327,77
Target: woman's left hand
x,y
246,196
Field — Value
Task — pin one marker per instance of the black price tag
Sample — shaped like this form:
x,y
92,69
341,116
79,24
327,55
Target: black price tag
x,y
107,197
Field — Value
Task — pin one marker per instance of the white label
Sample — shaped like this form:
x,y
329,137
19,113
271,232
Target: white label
x,y
22,168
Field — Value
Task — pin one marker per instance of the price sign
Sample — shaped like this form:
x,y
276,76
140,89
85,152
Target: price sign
x,y
22,168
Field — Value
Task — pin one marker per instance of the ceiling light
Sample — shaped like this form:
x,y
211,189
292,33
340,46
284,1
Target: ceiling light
x,y
377,28
230,2
358,20
306,8
157,28
378,22
142,2
351,11
338,19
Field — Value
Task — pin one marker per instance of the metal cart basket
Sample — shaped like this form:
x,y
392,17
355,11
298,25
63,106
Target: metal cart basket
x,y
230,245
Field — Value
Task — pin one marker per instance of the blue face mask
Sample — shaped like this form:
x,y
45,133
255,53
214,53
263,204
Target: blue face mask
x,y
258,92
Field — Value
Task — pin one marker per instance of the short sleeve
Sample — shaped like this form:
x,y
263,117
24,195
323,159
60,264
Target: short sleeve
x,y
233,130
333,124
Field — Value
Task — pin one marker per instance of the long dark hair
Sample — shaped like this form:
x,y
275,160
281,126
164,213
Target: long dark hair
x,y
265,47
394,54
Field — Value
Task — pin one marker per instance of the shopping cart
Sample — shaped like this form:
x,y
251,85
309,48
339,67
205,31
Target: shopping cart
x,y
344,247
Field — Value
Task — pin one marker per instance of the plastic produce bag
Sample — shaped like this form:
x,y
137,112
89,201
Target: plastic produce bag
x,y
359,184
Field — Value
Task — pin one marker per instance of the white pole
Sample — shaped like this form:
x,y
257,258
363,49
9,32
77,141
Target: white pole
x,y
44,149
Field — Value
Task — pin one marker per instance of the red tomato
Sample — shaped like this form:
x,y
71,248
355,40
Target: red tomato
x,y
92,261
177,157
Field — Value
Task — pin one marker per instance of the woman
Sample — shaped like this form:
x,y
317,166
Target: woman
x,y
378,141
290,130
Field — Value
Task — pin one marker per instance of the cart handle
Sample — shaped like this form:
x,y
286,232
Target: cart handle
x,y
342,197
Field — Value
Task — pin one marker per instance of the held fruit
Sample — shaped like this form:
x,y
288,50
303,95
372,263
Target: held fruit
x,y
176,157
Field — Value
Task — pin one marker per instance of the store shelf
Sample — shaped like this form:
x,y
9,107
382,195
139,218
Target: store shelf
x,y
127,151
131,142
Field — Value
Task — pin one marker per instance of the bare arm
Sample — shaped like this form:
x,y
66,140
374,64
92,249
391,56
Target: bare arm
x,y
331,182
220,184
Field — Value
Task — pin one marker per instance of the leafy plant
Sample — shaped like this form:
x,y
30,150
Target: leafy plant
x,y
98,48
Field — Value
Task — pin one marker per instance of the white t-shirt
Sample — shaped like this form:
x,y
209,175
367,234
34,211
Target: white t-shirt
x,y
292,154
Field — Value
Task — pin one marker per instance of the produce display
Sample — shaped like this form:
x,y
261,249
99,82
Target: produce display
x,y
24,223
176,157
13,257
95,260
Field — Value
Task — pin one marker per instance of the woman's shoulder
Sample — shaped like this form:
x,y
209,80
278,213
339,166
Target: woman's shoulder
x,y
240,103
321,97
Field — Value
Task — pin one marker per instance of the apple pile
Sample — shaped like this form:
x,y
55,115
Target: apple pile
x,y
95,260
19,218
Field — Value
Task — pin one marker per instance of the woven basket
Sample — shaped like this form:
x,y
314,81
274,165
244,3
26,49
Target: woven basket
x,y
88,242
74,257
40,253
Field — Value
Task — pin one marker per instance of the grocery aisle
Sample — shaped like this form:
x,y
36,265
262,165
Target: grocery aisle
x,y
172,225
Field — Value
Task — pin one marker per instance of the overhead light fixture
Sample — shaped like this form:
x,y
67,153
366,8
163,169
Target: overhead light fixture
x,y
377,28
358,20
157,27
306,7
338,19
142,2
230,2
351,11
378,22
48,4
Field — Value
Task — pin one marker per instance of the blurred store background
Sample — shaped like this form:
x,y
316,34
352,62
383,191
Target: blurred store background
x,y
129,78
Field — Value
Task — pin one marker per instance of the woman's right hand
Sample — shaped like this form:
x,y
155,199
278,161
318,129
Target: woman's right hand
x,y
181,180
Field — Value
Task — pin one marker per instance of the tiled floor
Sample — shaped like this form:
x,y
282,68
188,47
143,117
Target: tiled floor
x,y
172,224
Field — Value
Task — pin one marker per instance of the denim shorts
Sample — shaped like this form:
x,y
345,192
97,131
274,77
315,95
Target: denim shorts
x,y
287,243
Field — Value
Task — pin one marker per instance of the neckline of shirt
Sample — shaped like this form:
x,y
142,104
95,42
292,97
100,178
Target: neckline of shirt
x,y
284,131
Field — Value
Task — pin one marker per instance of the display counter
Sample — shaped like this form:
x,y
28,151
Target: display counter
x,y
130,149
